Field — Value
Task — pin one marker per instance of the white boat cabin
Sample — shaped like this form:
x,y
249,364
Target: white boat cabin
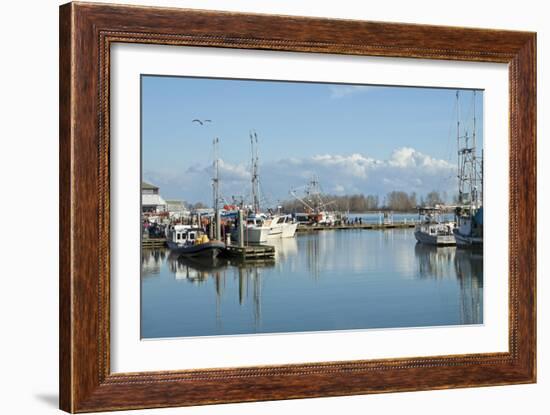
x,y
184,234
255,221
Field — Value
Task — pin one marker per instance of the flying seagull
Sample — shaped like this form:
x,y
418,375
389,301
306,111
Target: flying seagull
x,y
201,122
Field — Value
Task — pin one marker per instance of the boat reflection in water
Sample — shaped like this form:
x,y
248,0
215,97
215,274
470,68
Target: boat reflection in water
x,y
327,280
464,265
151,261
248,273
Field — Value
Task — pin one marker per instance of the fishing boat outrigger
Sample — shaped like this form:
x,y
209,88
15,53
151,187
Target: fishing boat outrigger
x,y
190,241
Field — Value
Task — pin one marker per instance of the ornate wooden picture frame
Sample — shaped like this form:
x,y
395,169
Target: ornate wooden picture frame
x,y
87,32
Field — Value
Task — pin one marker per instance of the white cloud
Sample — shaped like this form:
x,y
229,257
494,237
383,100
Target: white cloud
x,y
233,172
339,189
406,169
340,91
409,157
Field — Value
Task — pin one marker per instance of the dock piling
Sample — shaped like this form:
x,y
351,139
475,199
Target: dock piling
x,y
241,228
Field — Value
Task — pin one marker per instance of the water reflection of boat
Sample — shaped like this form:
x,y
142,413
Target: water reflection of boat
x,y
198,270
194,268
250,264
151,261
284,247
440,262
469,271
433,261
203,264
469,264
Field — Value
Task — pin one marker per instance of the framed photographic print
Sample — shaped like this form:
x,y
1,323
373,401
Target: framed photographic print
x,y
260,207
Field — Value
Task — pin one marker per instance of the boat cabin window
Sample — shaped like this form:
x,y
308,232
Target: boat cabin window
x,y
257,222
180,236
192,236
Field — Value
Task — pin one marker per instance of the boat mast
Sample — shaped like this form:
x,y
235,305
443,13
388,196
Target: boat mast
x,y
458,164
314,193
478,166
312,199
216,173
468,177
474,158
254,172
216,188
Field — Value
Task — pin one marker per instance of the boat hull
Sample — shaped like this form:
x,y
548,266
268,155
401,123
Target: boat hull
x,y
284,230
435,240
206,250
253,235
468,241
276,232
289,230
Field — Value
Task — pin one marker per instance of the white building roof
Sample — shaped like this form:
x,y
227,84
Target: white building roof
x,y
175,205
152,200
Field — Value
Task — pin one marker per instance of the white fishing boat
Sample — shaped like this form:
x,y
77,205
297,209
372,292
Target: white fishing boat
x,y
325,218
310,196
256,230
282,226
432,230
260,226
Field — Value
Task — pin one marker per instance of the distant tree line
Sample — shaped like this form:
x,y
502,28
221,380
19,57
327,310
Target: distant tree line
x,y
396,201
198,205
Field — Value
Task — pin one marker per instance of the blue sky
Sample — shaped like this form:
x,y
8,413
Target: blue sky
x,y
355,139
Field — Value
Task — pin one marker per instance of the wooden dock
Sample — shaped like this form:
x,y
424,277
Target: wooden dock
x,y
250,251
375,226
153,242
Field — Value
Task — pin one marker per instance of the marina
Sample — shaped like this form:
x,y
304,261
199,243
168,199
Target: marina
x,y
268,249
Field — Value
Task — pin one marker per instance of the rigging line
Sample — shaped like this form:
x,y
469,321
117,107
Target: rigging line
x,y
450,135
264,194
450,138
468,122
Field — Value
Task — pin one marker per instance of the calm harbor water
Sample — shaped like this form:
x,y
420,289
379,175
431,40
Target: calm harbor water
x,y
329,280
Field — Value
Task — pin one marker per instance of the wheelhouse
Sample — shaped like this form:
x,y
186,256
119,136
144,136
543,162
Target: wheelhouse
x,y
184,235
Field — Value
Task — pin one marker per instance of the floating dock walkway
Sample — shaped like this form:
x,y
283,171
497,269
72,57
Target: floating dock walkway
x,y
250,251
314,228
153,242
